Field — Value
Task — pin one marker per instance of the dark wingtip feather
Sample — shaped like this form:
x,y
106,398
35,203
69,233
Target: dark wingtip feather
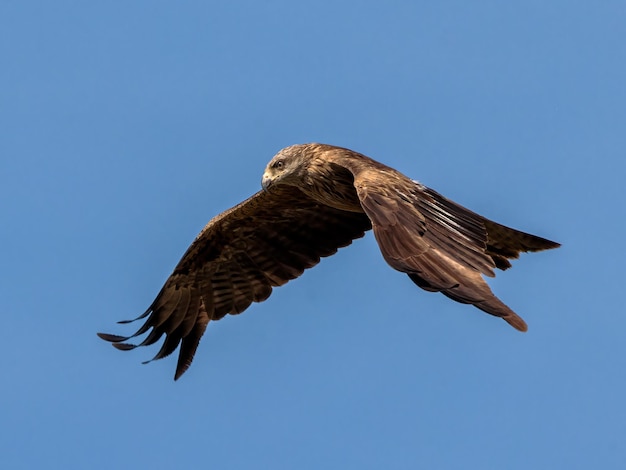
x,y
552,245
169,346
143,315
540,244
180,372
124,346
185,356
112,338
190,344
182,367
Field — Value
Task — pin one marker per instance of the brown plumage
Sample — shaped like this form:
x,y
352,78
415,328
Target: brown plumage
x,y
316,199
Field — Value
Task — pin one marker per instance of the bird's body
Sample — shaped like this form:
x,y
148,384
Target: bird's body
x,y
317,198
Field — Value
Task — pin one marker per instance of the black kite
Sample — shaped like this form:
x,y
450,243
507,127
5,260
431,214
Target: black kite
x,y
315,199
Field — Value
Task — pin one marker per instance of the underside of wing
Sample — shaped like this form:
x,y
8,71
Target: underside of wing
x,y
237,259
442,246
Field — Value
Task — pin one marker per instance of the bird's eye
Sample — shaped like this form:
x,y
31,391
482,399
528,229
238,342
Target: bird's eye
x,y
278,164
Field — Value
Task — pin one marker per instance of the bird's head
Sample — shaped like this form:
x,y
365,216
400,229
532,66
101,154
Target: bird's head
x,y
287,167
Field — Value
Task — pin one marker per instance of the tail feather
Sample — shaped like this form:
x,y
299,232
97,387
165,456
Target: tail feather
x,y
496,307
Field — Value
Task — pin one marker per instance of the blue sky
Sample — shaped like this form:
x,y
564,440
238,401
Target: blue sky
x,y
127,125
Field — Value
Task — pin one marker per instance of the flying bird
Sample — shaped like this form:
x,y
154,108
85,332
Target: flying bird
x,y
316,199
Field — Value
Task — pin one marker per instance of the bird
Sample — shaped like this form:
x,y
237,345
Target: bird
x,y
315,199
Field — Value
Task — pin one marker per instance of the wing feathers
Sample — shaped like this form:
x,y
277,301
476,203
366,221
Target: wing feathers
x,y
459,231
272,237
505,243
238,257
442,246
260,283
190,343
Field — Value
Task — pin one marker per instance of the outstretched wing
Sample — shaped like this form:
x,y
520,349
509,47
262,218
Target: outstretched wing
x,y
442,246
264,242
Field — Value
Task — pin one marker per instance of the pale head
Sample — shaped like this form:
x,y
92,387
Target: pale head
x,y
288,166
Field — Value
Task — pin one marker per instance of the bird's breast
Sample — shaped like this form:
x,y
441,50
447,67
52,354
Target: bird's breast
x,y
333,187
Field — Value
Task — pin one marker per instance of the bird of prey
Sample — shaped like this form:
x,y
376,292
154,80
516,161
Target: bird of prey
x,y
316,199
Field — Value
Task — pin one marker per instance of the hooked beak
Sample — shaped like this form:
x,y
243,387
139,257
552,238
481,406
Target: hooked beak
x,y
266,182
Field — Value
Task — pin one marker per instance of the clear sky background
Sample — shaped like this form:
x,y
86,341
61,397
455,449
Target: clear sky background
x,y
126,126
